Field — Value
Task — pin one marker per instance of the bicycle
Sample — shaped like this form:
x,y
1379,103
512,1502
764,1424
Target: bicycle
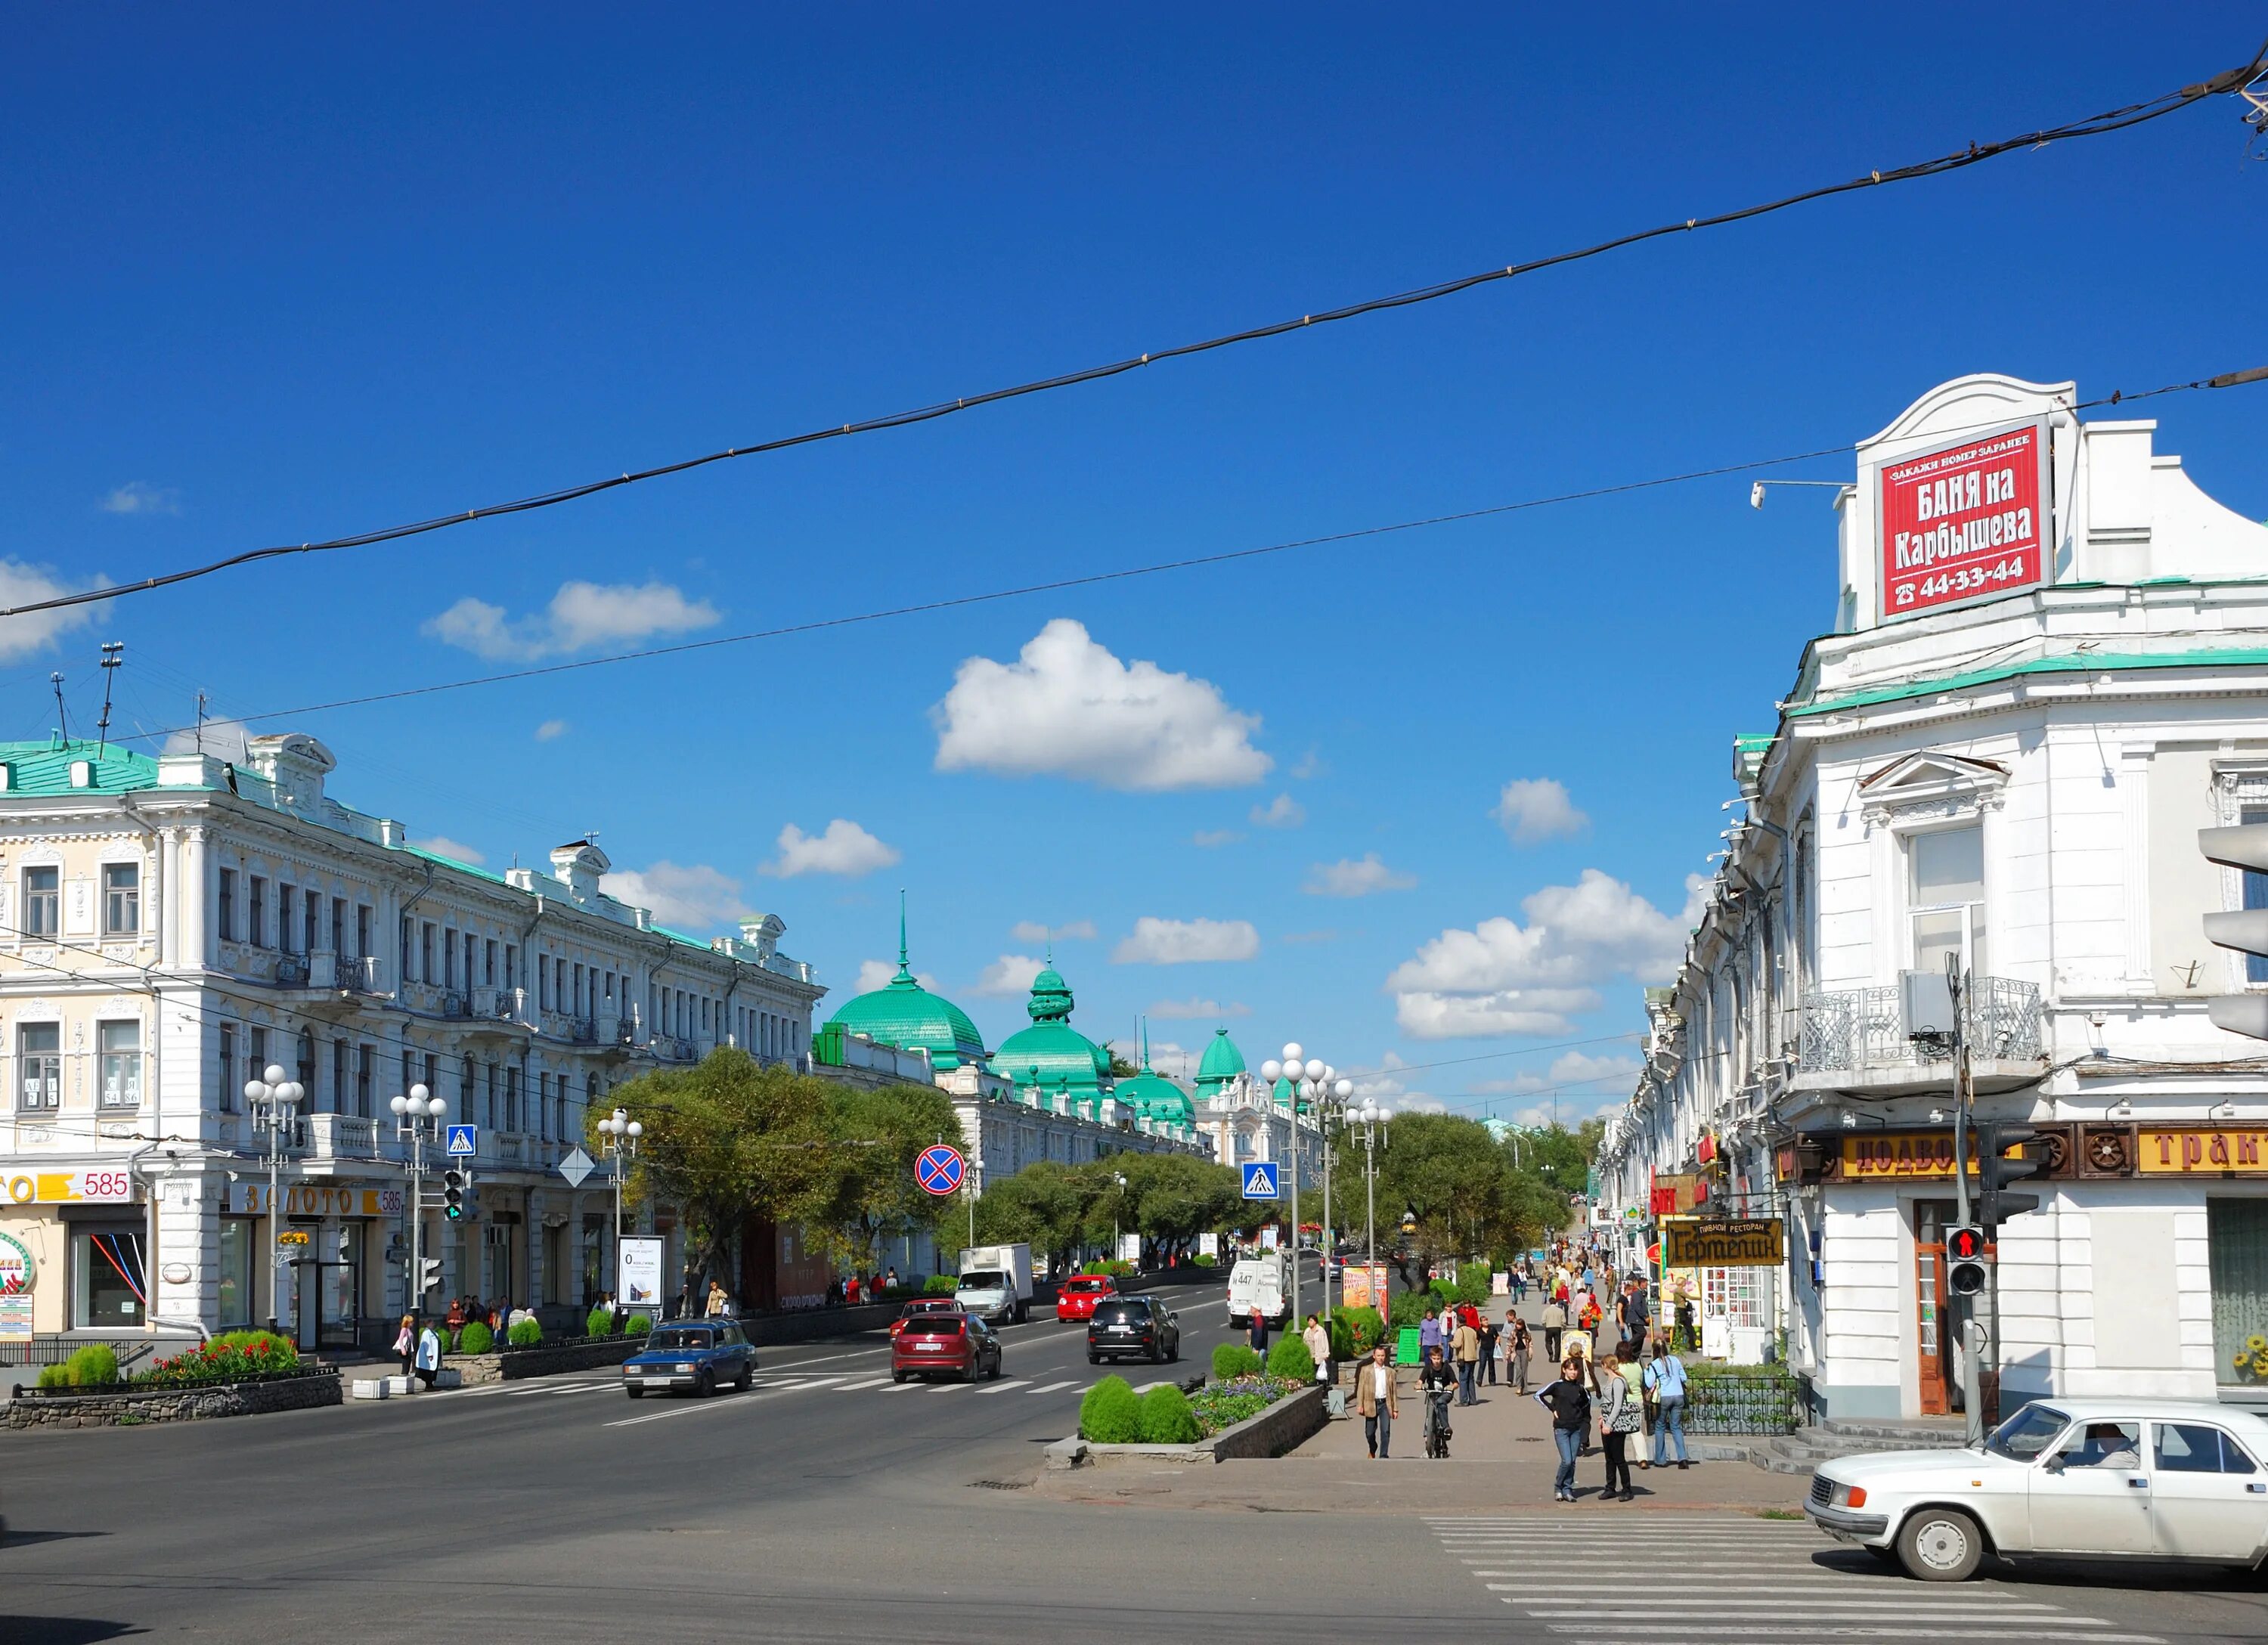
x,y
1437,1421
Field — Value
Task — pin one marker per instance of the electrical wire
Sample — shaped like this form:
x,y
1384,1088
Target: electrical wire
x,y
1974,154
2226,380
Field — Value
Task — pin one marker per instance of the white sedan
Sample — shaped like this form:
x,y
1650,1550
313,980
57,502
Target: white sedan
x,y
2116,1479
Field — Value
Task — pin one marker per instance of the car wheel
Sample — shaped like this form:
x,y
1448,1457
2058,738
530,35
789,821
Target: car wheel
x,y
635,1392
747,1378
1174,1352
704,1385
1094,1359
1940,1545
897,1376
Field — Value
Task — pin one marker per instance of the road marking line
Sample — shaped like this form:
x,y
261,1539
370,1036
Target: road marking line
x,y
1862,1609
947,1388
688,1410
1002,1388
1048,1388
902,1388
847,1388
1628,1636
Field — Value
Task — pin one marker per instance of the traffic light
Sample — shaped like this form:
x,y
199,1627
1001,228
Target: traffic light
x,y
1995,1204
429,1276
1964,1255
2245,930
453,1195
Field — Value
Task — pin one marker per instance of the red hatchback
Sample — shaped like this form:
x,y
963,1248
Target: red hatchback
x,y
960,1343
1078,1295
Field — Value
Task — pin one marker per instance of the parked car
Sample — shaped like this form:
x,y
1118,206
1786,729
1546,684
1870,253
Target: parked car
x,y
1076,1297
2085,1478
697,1355
1122,1325
1263,1283
923,1305
959,1343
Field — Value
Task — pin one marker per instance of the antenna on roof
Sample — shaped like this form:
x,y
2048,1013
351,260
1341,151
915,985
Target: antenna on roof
x,y
62,718
114,658
201,723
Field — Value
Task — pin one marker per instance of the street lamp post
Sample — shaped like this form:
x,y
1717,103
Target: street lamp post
x,y
418,1115
1373,1119
620,1134
275,1099
1311,1078
1117,1202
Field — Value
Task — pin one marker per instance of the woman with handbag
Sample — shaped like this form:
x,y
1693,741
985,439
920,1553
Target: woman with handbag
x,y
1618,1419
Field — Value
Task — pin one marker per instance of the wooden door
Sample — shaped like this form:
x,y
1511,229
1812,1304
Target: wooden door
x,y
1932,1320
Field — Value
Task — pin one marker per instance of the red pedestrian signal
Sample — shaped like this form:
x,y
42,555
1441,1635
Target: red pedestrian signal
x,y
1965,1244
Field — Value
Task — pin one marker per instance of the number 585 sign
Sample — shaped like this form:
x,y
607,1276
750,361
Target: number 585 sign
x,y
95,1186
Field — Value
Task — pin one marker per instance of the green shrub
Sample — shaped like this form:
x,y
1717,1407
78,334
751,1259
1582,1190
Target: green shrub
x,y
51,1377
1117,1265
601,1324
1233,1358
1342,1348
1364,1327
1166,1418
95,1366
235,1356
940,1285
1409,1308
1110,1414
1205,1259
475,1338
1290,1359
639,1326
524,1334
1218,1406
1473,1280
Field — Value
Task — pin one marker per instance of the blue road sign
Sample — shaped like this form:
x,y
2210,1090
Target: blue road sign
x,y
1260,1181
461,1140
939,1169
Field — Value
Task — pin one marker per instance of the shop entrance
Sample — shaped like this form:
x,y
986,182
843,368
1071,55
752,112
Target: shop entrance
x,y
1936,1332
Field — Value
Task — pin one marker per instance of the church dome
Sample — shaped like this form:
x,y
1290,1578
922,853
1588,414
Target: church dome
x,y
1052,1054
1154,1096
1222,1062
904,1014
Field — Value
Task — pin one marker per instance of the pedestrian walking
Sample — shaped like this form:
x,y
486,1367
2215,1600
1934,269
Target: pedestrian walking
x,y
1490,1343
1256,1331
1555,1326
1430,1332
890,1279
1375,1396
1317,1336
406,1344
1633,1314
1516,1336
1682,1338
1465,1349
429,1356
1665,1380
1618,1419
1569,1401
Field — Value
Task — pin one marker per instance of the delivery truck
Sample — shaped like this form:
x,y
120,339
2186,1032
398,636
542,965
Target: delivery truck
x,y
995,1282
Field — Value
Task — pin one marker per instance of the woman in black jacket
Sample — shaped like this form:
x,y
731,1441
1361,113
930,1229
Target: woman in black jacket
x,y
1569,1401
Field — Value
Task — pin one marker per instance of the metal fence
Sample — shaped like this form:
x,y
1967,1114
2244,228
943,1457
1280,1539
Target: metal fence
x,y
1854,1028
1751,1402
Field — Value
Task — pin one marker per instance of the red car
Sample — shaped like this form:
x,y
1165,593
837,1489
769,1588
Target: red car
x,y
923,1305
1078,1295
960,1343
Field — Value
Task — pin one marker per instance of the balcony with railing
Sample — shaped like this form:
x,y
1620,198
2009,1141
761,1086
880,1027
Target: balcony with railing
x,y
1862,1039
341,1137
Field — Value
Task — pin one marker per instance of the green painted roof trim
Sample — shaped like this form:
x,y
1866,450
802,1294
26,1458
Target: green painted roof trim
x,y
2090,662
44,767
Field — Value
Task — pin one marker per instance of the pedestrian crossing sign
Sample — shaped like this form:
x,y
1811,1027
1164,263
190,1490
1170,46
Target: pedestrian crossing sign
x,y
1260,1181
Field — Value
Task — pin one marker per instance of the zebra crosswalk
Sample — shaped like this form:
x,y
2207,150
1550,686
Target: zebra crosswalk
x,y
1735,1580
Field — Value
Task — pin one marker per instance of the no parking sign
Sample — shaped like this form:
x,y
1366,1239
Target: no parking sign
x,y
939,1169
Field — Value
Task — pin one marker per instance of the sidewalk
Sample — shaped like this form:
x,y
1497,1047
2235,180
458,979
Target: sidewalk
x,y
1500,1456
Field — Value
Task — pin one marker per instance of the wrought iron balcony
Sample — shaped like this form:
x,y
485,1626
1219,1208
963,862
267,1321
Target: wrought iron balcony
x,y
1860,1037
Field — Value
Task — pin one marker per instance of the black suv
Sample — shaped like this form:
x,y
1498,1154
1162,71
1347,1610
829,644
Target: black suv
x,y
1133,1324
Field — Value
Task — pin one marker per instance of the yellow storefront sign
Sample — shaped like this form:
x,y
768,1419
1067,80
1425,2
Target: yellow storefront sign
x,y
1726,1242
95,1186
317,1200
2202,1153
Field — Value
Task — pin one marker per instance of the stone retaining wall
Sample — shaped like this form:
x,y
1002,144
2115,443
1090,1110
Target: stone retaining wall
x,y
1288,1423
130,1408
569,1356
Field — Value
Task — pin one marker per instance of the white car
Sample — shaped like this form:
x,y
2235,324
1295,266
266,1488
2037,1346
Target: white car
x,y
2119,1479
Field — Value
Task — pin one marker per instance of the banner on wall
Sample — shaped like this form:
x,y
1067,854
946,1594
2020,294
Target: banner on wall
x,y
1964,522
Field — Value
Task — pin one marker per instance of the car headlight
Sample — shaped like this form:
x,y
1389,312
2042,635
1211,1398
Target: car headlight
x,y
1849,1495
685,1368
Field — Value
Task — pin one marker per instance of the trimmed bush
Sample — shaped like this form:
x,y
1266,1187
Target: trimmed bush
x,y
1473,1280
639,1326
1115,1265
95,1366
1342,1333
1167,1419
525,1334
1364,1327
1232,1360
1410,1307
940,1285
1290,1359
601,1324
1110,1414
52,1376
1205,1259
475,1338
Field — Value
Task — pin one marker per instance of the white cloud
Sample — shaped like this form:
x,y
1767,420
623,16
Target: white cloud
x,y
1574,1068
1033,931
1534,810
1281,812
1211,839
35,630
1348,878
692,896
1010,974
844,848
1503,978
223,738
551,730
135,497
580,614
1067,707
1206,1009
455,850
874,974
1179,942
1568,1110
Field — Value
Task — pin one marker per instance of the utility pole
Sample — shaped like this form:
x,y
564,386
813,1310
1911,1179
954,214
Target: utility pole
x,y
1972,1329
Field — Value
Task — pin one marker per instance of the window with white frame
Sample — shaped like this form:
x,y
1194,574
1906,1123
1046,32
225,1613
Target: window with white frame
x,y
119,1045
43,899
1945,898
122,899
39,1066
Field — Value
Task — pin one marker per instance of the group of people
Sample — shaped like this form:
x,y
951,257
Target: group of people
x,y
850,1291
1623,1397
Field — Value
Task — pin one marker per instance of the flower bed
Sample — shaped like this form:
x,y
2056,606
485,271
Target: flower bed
x,y
1218,1405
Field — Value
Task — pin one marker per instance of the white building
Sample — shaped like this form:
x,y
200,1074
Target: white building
x,y
170,927
2049,672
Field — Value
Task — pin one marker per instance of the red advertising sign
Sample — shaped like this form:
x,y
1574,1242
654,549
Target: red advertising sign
x,y
1965,523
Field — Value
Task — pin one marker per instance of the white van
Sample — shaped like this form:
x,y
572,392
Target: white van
x,y
1261,1282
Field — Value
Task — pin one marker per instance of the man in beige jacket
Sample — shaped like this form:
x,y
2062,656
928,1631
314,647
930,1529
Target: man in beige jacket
x,y
1375,1396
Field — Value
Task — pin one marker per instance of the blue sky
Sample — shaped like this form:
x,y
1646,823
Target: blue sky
x,y
272,276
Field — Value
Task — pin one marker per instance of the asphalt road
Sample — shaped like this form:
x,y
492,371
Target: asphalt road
x,y
829,1504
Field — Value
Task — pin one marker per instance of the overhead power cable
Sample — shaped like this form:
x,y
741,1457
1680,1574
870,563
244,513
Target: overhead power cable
x,y
1088,579
1974,154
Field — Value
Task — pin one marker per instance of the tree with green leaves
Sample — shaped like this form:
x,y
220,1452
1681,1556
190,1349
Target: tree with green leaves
x,y
874,1194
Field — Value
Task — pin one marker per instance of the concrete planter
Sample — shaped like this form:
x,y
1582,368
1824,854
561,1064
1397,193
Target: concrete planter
x,y
1288,1423
130,1408
512,1366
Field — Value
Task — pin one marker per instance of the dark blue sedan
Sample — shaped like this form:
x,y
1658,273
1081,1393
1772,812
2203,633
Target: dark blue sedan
x,y
702,1354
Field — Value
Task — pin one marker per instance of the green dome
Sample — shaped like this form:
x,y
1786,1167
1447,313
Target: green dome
x,y
1154,1096
1221,1063
904,1014
1052,1054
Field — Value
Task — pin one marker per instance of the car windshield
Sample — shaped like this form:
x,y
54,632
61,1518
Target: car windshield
x,y
1086,1285
983,1280
2027,1433
936,1325
677,1342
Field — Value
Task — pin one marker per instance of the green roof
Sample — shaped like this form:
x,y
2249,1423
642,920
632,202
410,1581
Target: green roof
x,y
904,1014
1222,1062
1052,1054
45,768
2082,662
